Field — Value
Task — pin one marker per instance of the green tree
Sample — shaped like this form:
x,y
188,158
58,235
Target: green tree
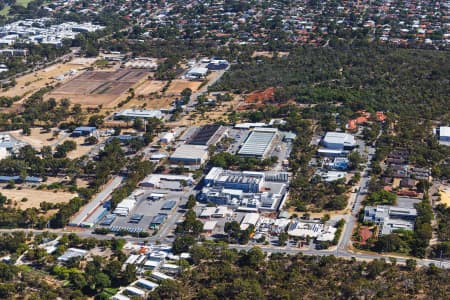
x,y
191,202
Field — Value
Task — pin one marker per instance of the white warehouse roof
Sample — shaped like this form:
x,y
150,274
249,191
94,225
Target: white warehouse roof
x,y
197,71
190,152
139,113
444,131
334,139
249,219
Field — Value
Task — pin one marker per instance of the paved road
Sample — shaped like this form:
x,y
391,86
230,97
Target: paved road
x,y
351,219
341,254
204,89
172,220
268,249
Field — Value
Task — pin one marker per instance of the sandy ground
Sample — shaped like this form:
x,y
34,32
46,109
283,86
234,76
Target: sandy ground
x,y
32,82
178,85
218,113
35,197
153,103
37,139
81,148
445,196
269,54
100,87
150,86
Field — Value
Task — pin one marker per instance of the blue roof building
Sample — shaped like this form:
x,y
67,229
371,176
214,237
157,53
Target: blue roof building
x,y
84,131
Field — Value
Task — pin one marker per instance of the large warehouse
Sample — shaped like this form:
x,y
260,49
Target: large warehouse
x,y
138,114
339,141
246,191
259,143
190,155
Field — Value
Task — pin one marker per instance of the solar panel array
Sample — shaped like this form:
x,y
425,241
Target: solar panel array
x,y
204,134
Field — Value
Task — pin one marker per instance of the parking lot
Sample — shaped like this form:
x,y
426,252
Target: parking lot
x,y
140,217
239,136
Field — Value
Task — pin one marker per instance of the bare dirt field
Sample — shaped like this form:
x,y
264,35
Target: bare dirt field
x,y
149,87
269,54
153,103
94,88
178,85
37,139
445,196
35,197
82,149
217,114
32,82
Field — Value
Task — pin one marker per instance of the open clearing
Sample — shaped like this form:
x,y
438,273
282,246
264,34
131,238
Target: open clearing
x,y
178,85
34,81
93,88
37,139
82,149
269,54
153,103
445,196
35,197
149,87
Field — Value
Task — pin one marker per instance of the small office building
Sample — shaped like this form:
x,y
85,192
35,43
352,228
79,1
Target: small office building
x,y
84,131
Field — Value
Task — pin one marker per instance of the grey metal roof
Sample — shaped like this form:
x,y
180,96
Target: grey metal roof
x,y
258,143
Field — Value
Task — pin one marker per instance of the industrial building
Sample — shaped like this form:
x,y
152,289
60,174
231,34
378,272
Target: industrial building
x,y
97,215
444,134
125,206
132,291
95,204
142,63
169,205
197,73
337,163
209,226
190,155
146,284
338,141
246,191
18,179
131,114
215,212
72,253
218,64
313,229
14,52
259,143
157,221
390,218
84,131
249,219
207,135
167,137
160,180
